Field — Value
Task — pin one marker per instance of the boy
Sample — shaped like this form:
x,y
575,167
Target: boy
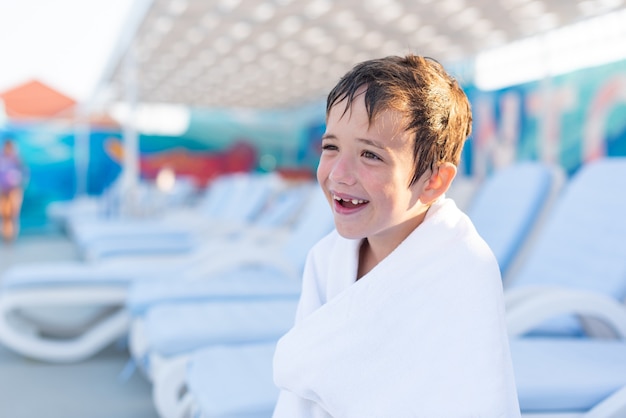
x,y
401,313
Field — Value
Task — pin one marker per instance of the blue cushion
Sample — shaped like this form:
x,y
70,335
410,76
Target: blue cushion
x,y
173,329
507,204
87,232
582,243
172,244
567,375
247,283
70,273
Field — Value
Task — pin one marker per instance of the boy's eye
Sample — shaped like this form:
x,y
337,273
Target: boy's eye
x,y
370,155
329,147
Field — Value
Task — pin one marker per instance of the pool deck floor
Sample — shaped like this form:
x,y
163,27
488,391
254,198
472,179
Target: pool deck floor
x,y
95,388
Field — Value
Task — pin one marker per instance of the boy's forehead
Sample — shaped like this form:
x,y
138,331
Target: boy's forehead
x,y
341,109
386,114
387,122
346,107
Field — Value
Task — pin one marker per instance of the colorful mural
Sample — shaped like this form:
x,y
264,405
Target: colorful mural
x,y
216,142
566,120
199,166
48,149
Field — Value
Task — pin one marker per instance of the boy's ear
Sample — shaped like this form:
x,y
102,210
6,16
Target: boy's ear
x,y
438,183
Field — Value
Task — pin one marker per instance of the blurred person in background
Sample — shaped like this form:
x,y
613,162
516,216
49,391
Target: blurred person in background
x,y
12,178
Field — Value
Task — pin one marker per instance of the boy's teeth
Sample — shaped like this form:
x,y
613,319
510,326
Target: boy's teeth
x,y
353,201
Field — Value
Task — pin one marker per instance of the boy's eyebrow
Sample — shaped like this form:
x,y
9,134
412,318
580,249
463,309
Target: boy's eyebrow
x,y
371,142
366,141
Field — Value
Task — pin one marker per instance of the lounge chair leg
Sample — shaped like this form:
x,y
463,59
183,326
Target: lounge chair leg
x,y
170,389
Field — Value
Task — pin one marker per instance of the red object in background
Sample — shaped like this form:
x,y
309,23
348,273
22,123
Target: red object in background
x,y
296,174
34,99
200,166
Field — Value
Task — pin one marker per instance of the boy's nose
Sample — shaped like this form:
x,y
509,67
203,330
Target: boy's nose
x,y
342,172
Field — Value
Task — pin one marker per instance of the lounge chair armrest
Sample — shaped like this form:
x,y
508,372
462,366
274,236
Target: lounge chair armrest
x,y
64,350
523,317
519,295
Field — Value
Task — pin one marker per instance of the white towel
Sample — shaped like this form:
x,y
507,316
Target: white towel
x,y
421,335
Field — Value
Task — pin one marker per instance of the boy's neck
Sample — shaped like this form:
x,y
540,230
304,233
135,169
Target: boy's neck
x,y
374,249
367,260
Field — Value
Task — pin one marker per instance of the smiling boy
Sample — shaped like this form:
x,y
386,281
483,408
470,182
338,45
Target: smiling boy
x,y
401,313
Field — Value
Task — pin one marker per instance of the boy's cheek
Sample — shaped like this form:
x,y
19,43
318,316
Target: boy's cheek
x,y
322,170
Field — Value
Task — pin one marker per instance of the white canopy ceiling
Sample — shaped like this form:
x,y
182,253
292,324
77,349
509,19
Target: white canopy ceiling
x,y
279,53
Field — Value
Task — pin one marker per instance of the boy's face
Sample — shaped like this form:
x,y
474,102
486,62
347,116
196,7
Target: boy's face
x,y
365,171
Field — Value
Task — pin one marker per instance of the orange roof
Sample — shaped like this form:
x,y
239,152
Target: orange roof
x,y
35,100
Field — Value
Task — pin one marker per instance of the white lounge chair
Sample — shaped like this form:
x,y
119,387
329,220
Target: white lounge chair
x,y
581,245
569,377
219,381
268,274
511,205
29,291
273,208
150,202
232,201
570,292
175,331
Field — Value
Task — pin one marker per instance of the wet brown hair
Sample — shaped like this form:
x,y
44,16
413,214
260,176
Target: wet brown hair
x,y
434,107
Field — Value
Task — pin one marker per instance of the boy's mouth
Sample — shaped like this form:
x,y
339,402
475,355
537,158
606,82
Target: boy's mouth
x,y
349,203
